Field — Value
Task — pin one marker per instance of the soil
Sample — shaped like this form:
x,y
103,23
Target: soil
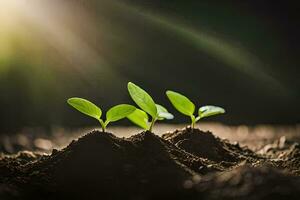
x,y
184,164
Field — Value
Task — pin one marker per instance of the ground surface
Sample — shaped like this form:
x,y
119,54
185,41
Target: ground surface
x,y
260,162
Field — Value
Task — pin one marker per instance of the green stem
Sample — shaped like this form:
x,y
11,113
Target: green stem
x,y
193,121
152,124
103,125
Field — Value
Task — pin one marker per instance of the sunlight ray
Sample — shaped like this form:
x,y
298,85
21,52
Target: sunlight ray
x,y
231,54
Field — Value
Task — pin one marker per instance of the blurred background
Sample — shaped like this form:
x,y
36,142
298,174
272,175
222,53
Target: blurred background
x,y
241,55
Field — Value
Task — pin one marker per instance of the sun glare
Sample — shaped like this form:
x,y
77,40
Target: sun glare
x,y
35,29
24,21
10,24
10,13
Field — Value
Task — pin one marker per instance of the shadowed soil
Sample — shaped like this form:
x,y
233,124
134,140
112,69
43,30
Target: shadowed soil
x,y
184,164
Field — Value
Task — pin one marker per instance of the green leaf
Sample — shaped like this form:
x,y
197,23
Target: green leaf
x,y
86,107
119,112
142,99
163,113
206,111
139,118
181,103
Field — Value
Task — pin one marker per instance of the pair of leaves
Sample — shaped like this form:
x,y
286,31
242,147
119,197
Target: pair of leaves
x,y
187,107
113,114
147,104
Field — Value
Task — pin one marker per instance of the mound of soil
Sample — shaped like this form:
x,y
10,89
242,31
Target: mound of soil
x,y
206,145
290,159
143,166
185,164
248,183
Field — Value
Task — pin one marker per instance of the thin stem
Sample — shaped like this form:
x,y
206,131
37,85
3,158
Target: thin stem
x,y
152,124
193,121
103,125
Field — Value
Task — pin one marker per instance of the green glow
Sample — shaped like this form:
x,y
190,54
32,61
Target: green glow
x,y
234,56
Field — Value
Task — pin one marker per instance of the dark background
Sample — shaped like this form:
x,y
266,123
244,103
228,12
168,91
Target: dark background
x,y
241,55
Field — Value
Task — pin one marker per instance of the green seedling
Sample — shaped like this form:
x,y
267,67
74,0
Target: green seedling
x,y
113,114
187,107
148,106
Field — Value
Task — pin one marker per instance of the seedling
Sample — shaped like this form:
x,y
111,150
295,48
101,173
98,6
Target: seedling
x,y
113,114
187,107
148,106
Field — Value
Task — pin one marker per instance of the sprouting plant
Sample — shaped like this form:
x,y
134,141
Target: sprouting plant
x,y
148,106
113,114
187,107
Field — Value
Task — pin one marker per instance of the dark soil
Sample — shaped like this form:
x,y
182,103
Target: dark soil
x,y
206,145
185,164
247,182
